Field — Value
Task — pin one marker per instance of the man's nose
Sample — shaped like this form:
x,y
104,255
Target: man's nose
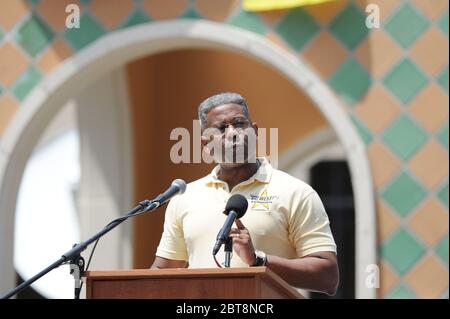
x,y
231,132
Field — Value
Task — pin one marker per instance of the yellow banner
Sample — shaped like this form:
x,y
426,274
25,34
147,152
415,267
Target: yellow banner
x,y
265,5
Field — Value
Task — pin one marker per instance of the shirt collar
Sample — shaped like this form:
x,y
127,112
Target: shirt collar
x,y
263,174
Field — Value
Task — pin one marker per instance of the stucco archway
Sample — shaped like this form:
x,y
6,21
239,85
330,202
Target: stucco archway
x,y
118,48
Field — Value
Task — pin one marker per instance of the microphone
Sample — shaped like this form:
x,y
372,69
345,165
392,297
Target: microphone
x,y
235,209
178,186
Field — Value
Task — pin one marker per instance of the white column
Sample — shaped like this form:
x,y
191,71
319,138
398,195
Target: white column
x,y
106,169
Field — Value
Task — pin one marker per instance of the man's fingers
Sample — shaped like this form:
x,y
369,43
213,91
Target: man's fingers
x,y
238,231
241,234
243,239
239,224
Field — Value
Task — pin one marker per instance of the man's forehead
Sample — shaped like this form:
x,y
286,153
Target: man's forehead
x,y
225,112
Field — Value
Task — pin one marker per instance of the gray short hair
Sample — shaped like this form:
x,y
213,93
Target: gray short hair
x,y
221,99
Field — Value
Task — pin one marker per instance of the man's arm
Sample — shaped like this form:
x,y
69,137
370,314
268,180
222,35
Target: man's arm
x,y
317,271
161,263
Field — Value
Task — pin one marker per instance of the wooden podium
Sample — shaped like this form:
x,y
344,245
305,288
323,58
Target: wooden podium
x,y
181,283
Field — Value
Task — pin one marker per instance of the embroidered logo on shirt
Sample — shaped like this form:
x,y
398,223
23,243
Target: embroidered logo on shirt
x,y
262,201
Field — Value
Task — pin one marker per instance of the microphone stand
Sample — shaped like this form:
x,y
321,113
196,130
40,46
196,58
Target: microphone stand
x,y
228,251
77,270
73,256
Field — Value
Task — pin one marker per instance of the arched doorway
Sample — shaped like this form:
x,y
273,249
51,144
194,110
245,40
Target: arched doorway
x,y
118,48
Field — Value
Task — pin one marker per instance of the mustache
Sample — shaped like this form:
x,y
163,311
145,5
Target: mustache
x,y
231,144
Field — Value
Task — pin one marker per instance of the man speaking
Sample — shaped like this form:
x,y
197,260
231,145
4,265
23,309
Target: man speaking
x,y
285,227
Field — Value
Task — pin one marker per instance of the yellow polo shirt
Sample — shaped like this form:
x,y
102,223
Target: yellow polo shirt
x,y
285,217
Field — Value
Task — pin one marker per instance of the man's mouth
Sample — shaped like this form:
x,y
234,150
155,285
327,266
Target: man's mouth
x,y
234,145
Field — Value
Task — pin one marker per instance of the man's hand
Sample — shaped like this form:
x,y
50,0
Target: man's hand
x,y
317,271
242,243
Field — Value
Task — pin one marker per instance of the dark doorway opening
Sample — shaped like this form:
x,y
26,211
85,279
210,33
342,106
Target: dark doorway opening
x,y
331,180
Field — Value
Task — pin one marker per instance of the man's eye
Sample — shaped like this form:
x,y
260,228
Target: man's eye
x,y
240,124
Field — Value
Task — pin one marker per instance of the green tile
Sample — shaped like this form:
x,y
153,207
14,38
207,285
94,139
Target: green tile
x,y
26,83
349,26
443,194
351,81
402,251
362,130
86,2
443,79
404,137
1,90
1,34
190,14
401,292
443,23
403,194
137,17
33,2
88,32
406,25
405,81
442,135
442,249
34,35
248,21
297,27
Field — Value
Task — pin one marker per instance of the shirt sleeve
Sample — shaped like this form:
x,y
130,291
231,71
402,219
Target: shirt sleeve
x,y
172,244
309,227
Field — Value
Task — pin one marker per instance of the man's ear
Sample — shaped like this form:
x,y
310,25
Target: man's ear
x,y
203,140
255,127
